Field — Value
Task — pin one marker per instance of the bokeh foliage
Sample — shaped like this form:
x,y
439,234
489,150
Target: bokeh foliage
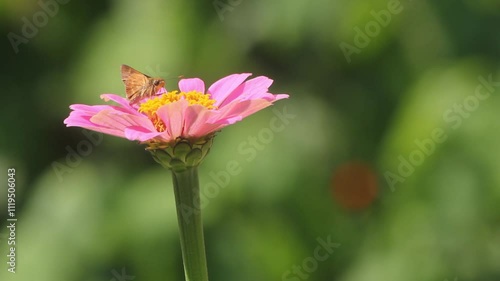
x,y
115,208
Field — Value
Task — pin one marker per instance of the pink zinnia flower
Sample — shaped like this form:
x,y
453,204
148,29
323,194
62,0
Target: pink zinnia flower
x,y
189,115
178,128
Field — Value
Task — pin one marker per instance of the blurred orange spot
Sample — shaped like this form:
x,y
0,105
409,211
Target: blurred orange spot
x,y
354,185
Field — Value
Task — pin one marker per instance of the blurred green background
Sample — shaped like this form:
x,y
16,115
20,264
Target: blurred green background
x,y
390,149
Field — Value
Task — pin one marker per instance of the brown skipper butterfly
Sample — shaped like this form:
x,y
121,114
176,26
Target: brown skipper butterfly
x,y
138,85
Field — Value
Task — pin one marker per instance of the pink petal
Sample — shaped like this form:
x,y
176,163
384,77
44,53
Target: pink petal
x,y
235,112
201,121
84,122
251,89
268,96
109,131
195,121
225,86
140,133
161,91
76,119
280,96
92,109
192,84
88,108
165,137
172,115
191,115
229,120
121,101
241,108
118,120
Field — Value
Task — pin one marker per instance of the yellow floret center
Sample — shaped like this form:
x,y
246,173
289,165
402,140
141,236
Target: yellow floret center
x,y
151,106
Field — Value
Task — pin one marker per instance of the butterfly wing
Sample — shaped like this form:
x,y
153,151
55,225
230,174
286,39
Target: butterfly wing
x,y
127,71
136,83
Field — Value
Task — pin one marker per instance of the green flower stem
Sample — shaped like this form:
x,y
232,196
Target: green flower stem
x,y
187,199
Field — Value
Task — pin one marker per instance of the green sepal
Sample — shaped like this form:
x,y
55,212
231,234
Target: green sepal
x,y
182,154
